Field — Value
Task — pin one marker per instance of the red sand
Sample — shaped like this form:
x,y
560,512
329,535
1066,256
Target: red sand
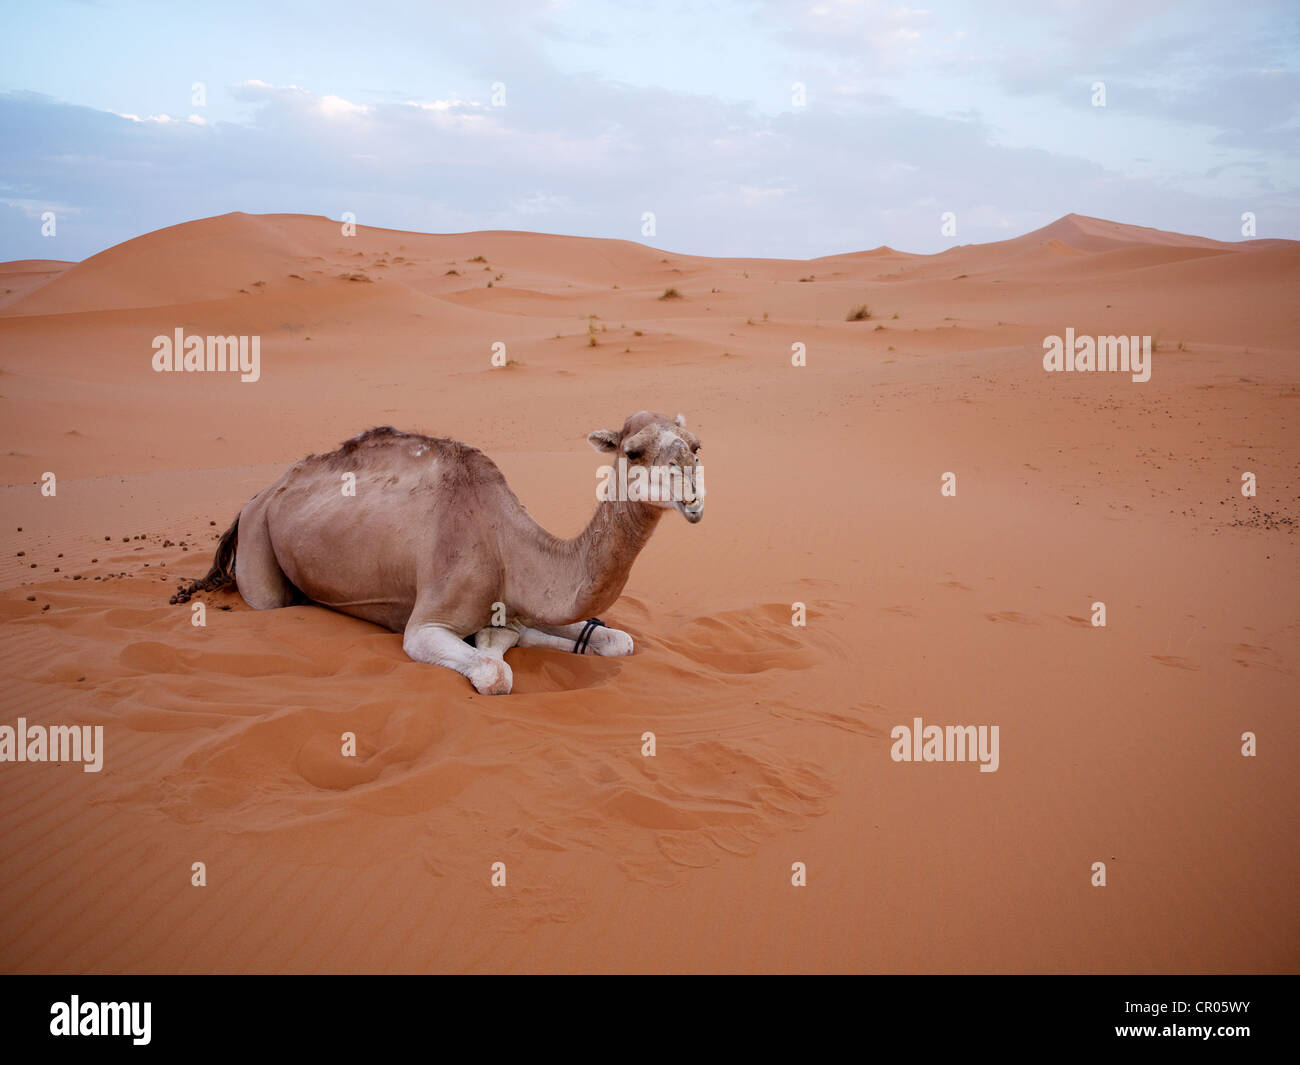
x,y
1119,744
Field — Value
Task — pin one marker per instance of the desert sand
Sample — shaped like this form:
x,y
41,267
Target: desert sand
x,y
1119,744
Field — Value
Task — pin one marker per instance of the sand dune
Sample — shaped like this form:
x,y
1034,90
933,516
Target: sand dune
x,y
1098,234
19,278
223,743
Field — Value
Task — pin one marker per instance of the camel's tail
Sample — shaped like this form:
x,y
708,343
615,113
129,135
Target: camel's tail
x,y
222,573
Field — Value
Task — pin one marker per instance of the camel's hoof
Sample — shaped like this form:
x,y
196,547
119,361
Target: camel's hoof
x,y
491,676
611,643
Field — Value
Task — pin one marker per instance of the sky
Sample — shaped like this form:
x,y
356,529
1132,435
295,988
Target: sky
x,y
785,128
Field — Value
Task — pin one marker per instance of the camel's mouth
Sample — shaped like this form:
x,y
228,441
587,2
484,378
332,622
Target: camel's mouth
x,y
692,511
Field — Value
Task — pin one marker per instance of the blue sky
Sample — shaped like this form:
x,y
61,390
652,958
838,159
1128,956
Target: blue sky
x,y
686,110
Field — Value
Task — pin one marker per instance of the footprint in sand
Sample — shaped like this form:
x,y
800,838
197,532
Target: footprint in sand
x,y
901,611
526,908
1012,616
740,642
1176,661
1249,656
686,849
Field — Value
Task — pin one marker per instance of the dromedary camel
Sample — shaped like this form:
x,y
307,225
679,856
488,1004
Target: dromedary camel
x,y
435,545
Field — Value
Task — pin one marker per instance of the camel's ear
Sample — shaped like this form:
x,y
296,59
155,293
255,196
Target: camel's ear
x,y
681,421
603,440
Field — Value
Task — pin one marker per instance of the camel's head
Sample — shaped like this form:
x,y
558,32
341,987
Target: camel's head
x,y
670,454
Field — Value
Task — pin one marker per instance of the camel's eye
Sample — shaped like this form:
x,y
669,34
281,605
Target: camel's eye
x,y
634,453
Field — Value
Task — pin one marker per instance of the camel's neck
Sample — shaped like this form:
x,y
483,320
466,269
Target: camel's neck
x,y
607,547
581,577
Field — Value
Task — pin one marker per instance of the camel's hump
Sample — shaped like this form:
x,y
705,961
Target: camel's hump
x,y
384,441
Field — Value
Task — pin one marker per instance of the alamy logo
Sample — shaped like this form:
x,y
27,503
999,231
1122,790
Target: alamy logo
x,y
1122,354
102,1018
57,743
946,743
195,353
650,484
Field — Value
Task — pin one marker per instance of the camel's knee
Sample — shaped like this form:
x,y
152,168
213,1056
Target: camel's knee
x,y
491,676
439,646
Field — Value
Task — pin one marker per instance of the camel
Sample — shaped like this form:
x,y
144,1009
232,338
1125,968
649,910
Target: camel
x,y
432,543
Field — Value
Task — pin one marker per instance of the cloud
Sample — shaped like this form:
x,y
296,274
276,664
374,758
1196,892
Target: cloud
x,y
885,36
540,203
578,153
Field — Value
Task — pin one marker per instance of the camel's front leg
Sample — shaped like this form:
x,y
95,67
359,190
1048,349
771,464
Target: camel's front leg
x,y
483,664
603,641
